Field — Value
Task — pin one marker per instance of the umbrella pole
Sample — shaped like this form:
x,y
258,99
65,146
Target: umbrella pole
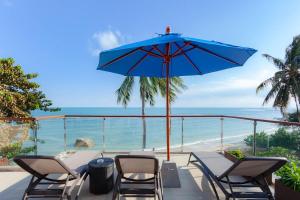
x,y
167,61
168,113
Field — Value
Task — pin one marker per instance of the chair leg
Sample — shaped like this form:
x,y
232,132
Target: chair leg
x,y
189,159
116,193
160,183
84,176
24,196
264,187
206,174
227,178
30,185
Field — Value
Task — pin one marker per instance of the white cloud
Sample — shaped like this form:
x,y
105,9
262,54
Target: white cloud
x,y
106,40
227,85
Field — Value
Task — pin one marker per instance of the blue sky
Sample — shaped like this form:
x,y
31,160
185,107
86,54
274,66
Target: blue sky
x,y
60,40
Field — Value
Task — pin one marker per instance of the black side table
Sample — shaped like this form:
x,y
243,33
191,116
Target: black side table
x,y
101,175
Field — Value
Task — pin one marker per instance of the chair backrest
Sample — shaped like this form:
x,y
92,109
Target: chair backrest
x,y
255,166
40,166
136,164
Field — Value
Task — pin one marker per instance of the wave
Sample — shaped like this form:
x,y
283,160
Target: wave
x,y
212,140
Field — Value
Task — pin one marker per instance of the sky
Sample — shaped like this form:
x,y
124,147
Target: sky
x,y
61,39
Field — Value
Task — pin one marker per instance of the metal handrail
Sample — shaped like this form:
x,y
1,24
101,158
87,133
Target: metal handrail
x,y
149,116
182,117
172,116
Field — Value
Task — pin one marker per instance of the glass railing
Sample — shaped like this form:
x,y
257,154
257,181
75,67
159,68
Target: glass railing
x,y
56,134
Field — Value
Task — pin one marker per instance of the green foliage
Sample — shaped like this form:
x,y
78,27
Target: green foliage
x,y
290,175
281,138
278,152
149,88
19,95
15,149
293,117
261,140
286,139
285,84
237,153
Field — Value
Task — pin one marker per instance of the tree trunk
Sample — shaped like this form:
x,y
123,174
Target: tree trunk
x,y
297,109
144,122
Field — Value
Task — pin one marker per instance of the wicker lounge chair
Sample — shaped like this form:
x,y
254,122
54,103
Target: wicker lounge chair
x,y
48,172
242,179
132,180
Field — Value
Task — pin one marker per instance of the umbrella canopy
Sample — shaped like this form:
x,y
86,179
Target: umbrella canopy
x,y
170,55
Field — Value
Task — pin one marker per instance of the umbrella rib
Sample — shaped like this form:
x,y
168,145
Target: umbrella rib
x,y
120,57
180,49
157,49
215,54
180,53
137,63
189,59
151,53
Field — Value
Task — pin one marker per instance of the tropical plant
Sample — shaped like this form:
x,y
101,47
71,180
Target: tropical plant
x,y
290,175
287,139
17,148
261,140
19,95
285,84
149,88
236,153
278,152
292,117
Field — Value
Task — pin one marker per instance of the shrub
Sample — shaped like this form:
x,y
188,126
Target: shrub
x,y
14,149
290,175
293,117
281,138
11,150
237,153
261,140
278,152
286,139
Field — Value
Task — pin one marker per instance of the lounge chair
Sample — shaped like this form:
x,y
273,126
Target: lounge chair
x,y
132,180
242,179
48,171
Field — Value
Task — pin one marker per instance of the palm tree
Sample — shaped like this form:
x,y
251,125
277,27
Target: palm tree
x,y
149,88
285,84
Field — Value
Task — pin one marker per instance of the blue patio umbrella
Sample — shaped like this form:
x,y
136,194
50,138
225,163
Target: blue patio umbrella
x,y
170,55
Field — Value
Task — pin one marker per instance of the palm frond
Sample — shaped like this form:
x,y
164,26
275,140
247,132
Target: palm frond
x,y
125,91
272,93
276,61
282,98
264,84
147,91
293,50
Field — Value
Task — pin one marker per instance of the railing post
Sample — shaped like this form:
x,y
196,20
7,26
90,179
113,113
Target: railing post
x,y
103,135
268,142
222,134
35,140
254,137
182,139
65,135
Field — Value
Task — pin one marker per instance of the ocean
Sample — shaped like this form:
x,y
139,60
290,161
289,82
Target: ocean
x,y
125,134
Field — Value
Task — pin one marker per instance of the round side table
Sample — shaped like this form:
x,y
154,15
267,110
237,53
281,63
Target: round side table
x,y
101,175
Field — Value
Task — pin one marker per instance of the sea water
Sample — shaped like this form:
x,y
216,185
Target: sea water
x,y
125,134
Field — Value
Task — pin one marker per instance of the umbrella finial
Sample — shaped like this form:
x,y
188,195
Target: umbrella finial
x,y
168,30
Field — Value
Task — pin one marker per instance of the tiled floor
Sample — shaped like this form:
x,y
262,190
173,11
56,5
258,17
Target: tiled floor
x,y
193,184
